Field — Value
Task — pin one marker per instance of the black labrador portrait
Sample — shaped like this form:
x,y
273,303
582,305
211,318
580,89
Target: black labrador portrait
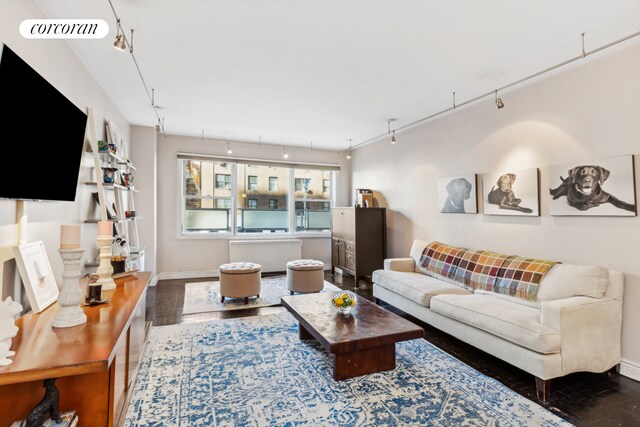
x,y
583,189
502,194
458,191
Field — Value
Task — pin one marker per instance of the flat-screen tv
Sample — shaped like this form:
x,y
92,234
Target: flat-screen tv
x,y
41,135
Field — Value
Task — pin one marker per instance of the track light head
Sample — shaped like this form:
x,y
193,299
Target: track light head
x,y
498,101
119,43
284,153
393,137
349,155
229,151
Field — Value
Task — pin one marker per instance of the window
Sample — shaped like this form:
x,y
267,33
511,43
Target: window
x,y
223,181
206,205
236,197
266,210
252,183
273,183
313,200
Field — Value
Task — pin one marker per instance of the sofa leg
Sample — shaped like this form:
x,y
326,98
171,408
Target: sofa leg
x,y
376,300
614,370
221,298
246,300
543,389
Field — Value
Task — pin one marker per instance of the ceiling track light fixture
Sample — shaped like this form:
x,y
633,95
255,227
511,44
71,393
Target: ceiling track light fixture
x,y
393,133
284,152
349,152
498,101
454,100
229,151
583,54
121,44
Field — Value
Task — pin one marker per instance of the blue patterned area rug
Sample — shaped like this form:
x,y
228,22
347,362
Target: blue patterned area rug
x,y
202,297
256,372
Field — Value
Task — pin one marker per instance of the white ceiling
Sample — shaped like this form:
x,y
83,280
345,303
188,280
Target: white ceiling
x,y
295,71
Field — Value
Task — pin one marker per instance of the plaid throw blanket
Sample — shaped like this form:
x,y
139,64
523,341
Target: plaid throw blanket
x,y
511,275
479,269
520,277
441,259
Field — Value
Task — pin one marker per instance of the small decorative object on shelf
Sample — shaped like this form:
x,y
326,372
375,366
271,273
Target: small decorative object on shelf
x,y
109,175
118,263
343,301
9,309
68,419
103,146
47,408
130,214
93,294
127,178
105,270
70,313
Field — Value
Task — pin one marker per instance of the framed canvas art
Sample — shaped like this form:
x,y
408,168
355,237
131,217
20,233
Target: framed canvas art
x,y
603,187
511,193
457,194
37,276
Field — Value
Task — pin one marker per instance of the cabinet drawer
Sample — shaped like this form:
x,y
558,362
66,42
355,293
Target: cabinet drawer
x,y
350,246
350,261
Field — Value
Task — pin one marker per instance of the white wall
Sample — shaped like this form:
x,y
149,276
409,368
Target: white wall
x,y
196,255
144,156
585,113
56,61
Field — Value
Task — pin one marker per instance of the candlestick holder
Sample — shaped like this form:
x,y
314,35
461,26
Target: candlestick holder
x,y
70,313
105,269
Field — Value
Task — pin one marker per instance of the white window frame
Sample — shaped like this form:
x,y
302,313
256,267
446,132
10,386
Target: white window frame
x,y
233,233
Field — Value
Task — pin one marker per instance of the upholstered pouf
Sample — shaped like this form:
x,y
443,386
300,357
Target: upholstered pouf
x,y
305,275
239,280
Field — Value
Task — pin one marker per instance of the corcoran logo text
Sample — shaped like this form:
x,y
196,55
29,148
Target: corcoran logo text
x,y
64,28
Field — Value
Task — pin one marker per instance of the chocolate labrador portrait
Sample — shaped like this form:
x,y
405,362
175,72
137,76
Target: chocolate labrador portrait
x,y
503,194
458,191
583,188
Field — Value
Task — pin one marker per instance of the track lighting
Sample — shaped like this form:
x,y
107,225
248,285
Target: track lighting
x,y
393,136
284,152
229,148
498,101
119,43
349,152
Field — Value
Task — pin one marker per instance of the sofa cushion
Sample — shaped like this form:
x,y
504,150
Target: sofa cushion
x,y
441,260
417,287
513,322
568,280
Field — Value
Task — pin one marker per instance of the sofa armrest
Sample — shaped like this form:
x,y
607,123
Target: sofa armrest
x,y
590,330
399,264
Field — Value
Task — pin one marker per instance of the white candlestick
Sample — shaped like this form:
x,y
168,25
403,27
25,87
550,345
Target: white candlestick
x,y
105,269
70,236
105,228
70,313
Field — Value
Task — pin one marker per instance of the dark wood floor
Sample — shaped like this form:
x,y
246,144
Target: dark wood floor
x,y
583,399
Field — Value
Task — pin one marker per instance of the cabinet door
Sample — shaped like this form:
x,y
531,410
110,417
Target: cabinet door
x,y
343,223
137,338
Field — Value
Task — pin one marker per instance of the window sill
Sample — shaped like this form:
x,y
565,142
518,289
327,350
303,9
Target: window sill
x,y
254,236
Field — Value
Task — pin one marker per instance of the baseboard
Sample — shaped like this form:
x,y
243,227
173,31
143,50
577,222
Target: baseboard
x,y
154,280
630,369
170,275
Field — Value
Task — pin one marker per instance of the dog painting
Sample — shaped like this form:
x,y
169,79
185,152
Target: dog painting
x,y
458,194
511,193
603,187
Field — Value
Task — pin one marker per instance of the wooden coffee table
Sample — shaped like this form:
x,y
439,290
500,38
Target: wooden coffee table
x,y
361,342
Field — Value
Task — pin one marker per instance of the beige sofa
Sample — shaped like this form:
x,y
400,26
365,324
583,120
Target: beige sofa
x,y
574,324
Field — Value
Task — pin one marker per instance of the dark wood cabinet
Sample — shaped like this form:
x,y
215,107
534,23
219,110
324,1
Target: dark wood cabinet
x,y
358,240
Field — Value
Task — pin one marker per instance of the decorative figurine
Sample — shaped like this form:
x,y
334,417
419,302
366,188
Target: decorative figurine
x,y
47,406
9,309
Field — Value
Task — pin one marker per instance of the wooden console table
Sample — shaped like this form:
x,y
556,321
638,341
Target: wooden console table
x,y
95,362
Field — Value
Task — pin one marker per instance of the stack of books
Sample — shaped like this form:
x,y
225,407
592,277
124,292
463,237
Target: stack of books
x,y
69,419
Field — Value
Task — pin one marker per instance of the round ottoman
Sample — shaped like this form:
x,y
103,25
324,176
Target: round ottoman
x,y
239,280
305,275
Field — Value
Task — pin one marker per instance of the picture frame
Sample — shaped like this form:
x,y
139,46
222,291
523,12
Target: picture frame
x,y
114,137
458,194
512,192
601,187
37,276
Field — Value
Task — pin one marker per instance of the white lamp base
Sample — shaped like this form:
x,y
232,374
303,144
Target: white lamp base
x,y
70,313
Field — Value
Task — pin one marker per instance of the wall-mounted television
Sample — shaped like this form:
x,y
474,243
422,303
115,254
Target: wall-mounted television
x,y
41,135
